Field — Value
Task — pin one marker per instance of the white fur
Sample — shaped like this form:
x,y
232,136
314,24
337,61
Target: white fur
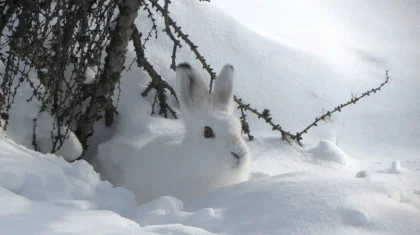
x,y
223,88
187,164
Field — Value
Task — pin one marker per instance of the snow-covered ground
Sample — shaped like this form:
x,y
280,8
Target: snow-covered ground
x,y
43,194
358,175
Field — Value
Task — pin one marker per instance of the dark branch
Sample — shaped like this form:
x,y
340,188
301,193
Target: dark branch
x,y
154,26
244,122
170,34
157,82
266,116
354,99
185,38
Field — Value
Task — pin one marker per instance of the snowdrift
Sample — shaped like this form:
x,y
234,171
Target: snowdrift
x,y
51,196
44,194
343,182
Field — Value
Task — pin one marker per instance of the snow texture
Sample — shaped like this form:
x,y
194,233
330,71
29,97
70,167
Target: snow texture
x,y
44,194
358,175
52,196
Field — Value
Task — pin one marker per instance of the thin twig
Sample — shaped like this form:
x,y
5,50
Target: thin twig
x,y
157,82
185,38
267,118
170,34
244,123
353,100
154,26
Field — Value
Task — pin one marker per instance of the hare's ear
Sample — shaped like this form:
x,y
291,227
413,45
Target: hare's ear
x,y
222,96
193,93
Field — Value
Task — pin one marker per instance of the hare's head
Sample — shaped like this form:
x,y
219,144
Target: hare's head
x,y
213,132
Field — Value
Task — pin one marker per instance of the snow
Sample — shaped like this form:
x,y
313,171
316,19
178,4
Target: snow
x,y
91,73
396,167
346,206
21,121
362,174
50,196
357,175
329,152
358,41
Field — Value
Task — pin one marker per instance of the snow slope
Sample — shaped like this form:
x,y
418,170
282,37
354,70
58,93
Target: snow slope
x,y
358,175
360,40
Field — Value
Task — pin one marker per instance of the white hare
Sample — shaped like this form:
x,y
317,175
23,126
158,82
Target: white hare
x,y
210,153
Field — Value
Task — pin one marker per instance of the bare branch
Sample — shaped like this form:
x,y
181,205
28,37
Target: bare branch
x,y
185,38
266,116
157,82
5,14
169,32
353,100
153,20
244,122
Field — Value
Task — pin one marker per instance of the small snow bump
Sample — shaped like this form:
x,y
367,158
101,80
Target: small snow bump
x,y
207,218
328,151
396,167
396,194
354,217
165,203
361,174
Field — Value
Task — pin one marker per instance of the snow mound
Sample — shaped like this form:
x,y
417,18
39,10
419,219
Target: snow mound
x,y
296,203
362,174
169,210
51,196
354,217
396,167
328,151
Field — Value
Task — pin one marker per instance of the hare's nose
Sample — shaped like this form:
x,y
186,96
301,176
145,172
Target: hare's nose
x,y
235,155
239,158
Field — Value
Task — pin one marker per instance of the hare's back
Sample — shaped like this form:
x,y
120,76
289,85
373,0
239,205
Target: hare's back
x,y
151,170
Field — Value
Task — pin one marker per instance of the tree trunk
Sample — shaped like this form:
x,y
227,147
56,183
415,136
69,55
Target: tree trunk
x,y
114,62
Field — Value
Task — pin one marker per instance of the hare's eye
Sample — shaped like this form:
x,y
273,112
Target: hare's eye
x,y
208,132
